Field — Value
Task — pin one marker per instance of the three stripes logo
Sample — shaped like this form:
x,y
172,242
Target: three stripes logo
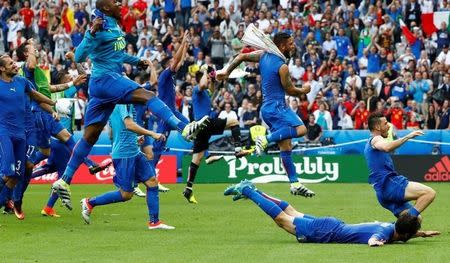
x,y
440,172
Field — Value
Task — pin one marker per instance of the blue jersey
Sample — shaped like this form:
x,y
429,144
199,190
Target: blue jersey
x,y
166,88
380,165
106,50
201,103
269,66
361,233
124,141
12,106
29,117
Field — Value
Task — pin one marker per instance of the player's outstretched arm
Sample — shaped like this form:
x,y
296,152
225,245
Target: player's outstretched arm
x,y
89,41
249,57
288,86
381,144
374,242
38,97
134,127
61,87
428,233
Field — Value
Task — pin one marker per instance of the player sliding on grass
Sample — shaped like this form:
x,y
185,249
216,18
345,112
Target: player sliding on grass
x,y
312,229
284,124
393,191
131,166
104,44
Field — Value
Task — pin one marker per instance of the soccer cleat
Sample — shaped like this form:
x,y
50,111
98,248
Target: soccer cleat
x,y
260,144
98,168
192,129
138,192
213,159
237,189
189,195
299,189
159,225
163,189
18,211
86,210
9,208
63,190
41,170
239,152
49,211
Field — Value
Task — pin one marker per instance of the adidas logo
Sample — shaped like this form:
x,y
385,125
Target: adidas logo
x,y
440,172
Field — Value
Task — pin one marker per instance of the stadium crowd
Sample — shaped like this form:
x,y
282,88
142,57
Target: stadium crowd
x,y
353,52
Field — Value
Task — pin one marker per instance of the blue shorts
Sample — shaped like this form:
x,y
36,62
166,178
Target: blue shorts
x,y
31,146
46,126
12,156
278,115
392,195
316,230
104,94
131,170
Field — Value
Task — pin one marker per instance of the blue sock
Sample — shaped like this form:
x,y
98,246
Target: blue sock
x,y
106,198
70,143
282,134
89,162
286,159
162,111
153,203
282,204
52,199
413,211
80,151
37,157
5,195
269,207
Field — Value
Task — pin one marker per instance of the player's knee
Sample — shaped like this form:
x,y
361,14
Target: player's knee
x,y
149,155
29,166
92,133
232,122
152,182
432,194
126,195
301,130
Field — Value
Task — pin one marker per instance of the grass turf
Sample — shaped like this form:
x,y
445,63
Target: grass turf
x,y
215,230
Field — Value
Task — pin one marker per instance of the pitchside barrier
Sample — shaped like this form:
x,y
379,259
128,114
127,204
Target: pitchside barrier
x,y
425,159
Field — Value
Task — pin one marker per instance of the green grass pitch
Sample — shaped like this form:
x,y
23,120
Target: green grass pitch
x,y
215,230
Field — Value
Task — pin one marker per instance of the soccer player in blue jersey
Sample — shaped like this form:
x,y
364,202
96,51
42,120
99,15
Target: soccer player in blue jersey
x,y
104,44
13,91
284,123
131,165
393,191
201,103
311,229
166,92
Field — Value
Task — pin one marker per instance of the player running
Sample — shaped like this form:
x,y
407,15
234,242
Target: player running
x,y
131,165
393,191
13,110
284,124
104,44
201,103
310,229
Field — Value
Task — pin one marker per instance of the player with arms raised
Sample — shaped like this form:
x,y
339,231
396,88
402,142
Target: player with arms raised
x,y
284,124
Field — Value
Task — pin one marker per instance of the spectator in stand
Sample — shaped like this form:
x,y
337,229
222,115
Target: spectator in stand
x,y
412,123
361,114
314,133
80,16
62,45
296,70
250,116
323,117
343,43
42,22
217,46
430,121
353,81
228,112
27,17
443,121
396,115
418,89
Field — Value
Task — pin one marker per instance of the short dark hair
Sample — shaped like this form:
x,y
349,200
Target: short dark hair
x,y
165,61
21,50
3,60
280,38
407,225
60,76
374,120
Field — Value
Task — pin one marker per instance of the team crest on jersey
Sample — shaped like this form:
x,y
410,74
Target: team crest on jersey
x,y
120,43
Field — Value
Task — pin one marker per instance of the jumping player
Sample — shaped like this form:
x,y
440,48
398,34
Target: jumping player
x,y
393,191
104,44
284,124
201,101
131,166
310,229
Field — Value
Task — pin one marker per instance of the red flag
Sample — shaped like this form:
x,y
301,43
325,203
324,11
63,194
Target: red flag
x,y
428,25
408,34
312,22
